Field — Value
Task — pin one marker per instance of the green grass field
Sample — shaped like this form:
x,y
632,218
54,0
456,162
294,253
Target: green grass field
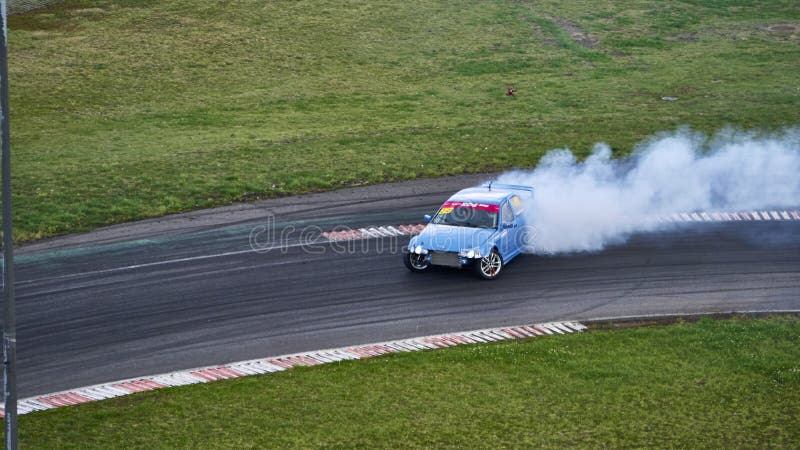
x,y
128,109
712,384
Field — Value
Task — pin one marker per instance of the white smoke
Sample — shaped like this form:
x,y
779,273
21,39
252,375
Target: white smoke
x,y
587,205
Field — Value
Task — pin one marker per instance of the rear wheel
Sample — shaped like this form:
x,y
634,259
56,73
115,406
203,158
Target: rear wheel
x,y
489,266
415,262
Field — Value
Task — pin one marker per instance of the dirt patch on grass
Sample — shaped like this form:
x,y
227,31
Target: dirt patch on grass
x,y
782,32
578,35
685,37
87,12
783,27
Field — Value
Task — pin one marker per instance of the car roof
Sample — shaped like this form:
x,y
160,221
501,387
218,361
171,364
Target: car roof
x,y
481,194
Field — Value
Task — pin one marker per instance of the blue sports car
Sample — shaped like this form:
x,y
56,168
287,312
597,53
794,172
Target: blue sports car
x,y
482,227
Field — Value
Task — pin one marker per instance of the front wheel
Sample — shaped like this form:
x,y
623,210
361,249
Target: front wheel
x,y
415,262
489,266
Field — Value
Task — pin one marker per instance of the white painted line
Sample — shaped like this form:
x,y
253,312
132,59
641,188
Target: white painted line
x,y
487,336
273,367
534,331
546,329
518,333
112,391
475,336
247,370
336,356
101,391
396,346
491,336
461,339
407,345
386,231
323,358
554,328
34,405
379,232
169,380
563,327
262,367
775,215
343,354
503,333
706,217
190,378
266,367
568,326
90,394
395,230
577,326
527,331
250,369
423,344
785,215
366,232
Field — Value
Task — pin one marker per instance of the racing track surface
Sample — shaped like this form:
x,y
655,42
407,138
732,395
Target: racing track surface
x,y
185,291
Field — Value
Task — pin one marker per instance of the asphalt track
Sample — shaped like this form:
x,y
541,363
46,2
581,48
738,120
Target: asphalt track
x,y
188,291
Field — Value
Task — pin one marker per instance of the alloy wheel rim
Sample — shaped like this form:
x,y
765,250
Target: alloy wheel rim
x,y
490,265
418,261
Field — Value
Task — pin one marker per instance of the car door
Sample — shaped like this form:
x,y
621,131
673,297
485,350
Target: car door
x,y
521,230
509,228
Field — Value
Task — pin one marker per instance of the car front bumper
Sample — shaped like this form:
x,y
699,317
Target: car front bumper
x,y
449,259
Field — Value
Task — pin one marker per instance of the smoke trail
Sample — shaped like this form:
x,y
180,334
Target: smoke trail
x,y
587,205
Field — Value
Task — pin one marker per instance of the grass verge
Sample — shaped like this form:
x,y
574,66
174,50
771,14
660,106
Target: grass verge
x,y
710,384
126,109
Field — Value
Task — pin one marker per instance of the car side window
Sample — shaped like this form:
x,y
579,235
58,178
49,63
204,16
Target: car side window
x,y
516,205
508,215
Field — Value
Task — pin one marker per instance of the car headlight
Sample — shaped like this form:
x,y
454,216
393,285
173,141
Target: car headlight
x,y
471,253
420,251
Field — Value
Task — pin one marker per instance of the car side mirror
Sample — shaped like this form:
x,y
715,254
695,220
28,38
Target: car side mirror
x,y
426,218
508,225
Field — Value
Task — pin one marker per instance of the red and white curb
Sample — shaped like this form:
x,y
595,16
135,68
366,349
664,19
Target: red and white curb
x,y
285,362
735,216
349,234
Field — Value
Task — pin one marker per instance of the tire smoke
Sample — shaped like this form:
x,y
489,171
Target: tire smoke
x,y
584,206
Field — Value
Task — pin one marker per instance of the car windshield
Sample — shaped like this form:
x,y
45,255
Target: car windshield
x,y
467,214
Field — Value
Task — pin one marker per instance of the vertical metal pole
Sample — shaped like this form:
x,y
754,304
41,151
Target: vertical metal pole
x,y
9,327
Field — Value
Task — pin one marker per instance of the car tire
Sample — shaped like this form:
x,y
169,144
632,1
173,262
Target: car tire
x,y
415,262
489,266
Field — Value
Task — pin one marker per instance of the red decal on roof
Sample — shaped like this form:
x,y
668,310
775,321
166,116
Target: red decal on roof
x,y
474,205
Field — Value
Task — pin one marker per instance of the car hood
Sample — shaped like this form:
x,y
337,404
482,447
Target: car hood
x,y
447,238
